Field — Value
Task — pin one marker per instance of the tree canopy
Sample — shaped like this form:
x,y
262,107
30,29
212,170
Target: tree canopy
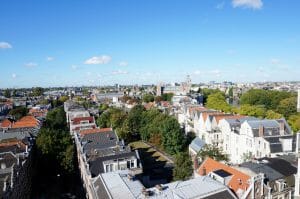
x,y
217,101
18,112
183,169
212,152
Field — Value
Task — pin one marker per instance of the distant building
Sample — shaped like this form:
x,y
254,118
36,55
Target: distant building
x,y
182,89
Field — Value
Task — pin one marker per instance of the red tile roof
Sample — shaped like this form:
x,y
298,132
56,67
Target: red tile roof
x,y
220,117
77,120
6,123
26,121
238,180
96,130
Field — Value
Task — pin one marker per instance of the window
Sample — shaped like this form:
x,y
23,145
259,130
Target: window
x,y
106,168
128,165
132,163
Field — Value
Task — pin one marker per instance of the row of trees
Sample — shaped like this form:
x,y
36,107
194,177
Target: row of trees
x,y
36,91
155,127
54,143
260,103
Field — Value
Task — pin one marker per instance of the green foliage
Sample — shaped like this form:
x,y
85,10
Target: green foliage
x,y
172,137
134,119
273,115
287,106
255,111
294,121
183,169
148,98
217,101
56,119
103,107
18,112
37,91
151,124
55,143
7,93
206,92
158,99
212,152
112,117
167,96
268,98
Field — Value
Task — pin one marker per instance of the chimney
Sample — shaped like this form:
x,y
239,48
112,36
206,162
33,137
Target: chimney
x,y
261,131
204,171
196,163
281,128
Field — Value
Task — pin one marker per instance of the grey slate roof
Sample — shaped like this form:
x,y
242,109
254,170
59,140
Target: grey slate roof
x,y
197,144
257,168
280,165
100,189
266,123
96,165
221,195
101,140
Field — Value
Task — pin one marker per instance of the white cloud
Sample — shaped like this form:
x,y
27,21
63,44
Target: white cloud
x,y
123,63
50,58
5,45
254,4
13,75
119,72
220,6
103,59
275,61
31,64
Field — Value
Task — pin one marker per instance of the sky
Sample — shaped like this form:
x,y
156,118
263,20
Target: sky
x,y
102,42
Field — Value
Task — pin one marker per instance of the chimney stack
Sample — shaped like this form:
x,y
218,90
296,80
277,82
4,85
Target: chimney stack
x,y
261,131
281,128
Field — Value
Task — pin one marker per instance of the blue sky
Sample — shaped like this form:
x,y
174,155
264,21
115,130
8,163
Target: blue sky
x,y
100,42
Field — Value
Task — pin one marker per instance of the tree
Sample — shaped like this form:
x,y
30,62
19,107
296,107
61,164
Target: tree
x,y
287,106
172,137
255,111
104,120
134,119
148,98
18,112
206,92
273,115
56,119
183,169
124,132
167,96
217,101
37,91
158,99
212,152
268,98
294,121
7,93
117,117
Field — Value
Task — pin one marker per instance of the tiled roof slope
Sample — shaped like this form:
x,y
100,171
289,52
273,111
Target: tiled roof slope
x,y
238,181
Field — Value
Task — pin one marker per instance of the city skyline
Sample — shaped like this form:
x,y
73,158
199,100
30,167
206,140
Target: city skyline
x,y
67,43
